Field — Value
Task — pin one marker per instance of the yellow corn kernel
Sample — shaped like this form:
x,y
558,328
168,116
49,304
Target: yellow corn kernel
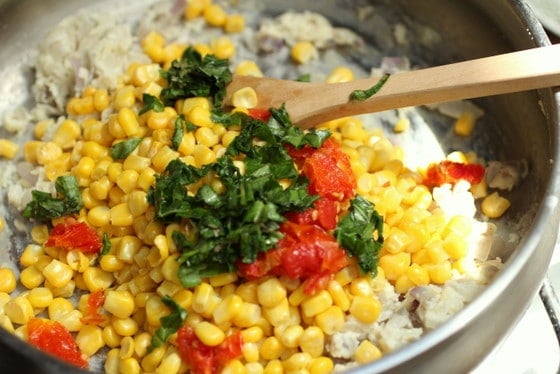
x,y
90,339
279,314
40,297
338,295
153,359
99,216
271,292
206,136
248,67
124,98
367,352
125,326
203,155
418,275
312,341
291,336
199,115
227,309
59,307
171,364
215,15
8,149
119,303
252,334
163,157
274,367
145,73
204,298
196,102
479,190
19,310
365,308
110,336
245,97
402,124
209,333
250,316
127,180
403,284
394,265
297,362
234,23
121,215
340,74
6,323
84,167
494,205
456,246
303,51
129,366
321,365
194,9
439,273
271,348
31,277
464,124
7,280
222,47
346,275
316,304
128,121
58,273
96,279
94,150
331,320
77,260
48,152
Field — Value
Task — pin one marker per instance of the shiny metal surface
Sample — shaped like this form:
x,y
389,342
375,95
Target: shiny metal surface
x,y
523,125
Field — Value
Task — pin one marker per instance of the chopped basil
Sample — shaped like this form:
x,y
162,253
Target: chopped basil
x,y
44,206
195,76
122,150
180,126
170,323
151,103
106,245
360,232
243,219
361,95
304,78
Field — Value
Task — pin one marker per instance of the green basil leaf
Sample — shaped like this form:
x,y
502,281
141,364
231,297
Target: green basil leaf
x,y
122,150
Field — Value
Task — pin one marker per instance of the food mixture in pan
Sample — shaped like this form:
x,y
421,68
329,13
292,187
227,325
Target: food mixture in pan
x,y
170,235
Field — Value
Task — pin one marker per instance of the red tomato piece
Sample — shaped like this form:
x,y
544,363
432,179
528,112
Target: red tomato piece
x,y
52,337
329,172
75,235
260,114
94,304
305,252
452,172
323,213
203,359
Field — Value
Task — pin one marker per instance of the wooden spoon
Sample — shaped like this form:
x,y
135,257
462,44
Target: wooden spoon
x,y
312,103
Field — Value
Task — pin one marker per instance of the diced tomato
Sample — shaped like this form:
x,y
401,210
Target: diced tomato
x,y
94,303
72,234
328,170
306,252
52,337
323,213
203,359
452,172
260,114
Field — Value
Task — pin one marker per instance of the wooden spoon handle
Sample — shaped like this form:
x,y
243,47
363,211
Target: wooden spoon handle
x,y
312,103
